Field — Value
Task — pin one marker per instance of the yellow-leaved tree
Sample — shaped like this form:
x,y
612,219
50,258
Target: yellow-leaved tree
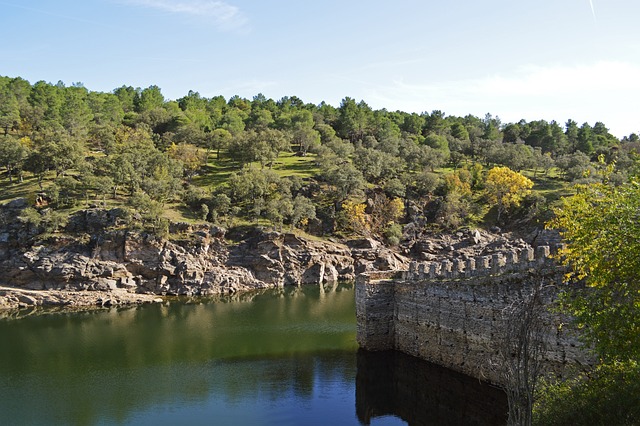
x,y
356,219
506,188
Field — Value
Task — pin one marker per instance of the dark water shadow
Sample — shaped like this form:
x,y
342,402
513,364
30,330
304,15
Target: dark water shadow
x,y
421,393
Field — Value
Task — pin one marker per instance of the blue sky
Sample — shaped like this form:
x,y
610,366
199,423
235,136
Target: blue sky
x,y
544,59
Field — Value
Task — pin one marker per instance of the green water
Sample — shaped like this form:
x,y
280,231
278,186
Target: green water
x,y
281,357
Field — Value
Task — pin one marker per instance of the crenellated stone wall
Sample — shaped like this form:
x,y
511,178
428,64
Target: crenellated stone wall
x,y
451,312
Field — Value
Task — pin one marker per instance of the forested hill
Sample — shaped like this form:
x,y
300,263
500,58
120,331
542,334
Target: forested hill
x,y
325,169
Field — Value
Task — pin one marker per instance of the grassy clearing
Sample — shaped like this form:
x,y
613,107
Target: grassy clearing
x,y
217,171
28,188
289,164
550,185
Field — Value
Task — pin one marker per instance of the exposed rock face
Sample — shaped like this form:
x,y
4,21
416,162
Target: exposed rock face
x,y
466,244
286,259
370,256
196,261
15,298
96,253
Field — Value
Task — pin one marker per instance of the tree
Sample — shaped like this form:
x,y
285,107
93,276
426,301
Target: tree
x,y
305,137
385,212
191,157
460,132
75,114
218,139
355,217
601,227
506,188
303,210
346,179
354,119
148,99
575,166
13,154
9,109
278,208
520,345
585,139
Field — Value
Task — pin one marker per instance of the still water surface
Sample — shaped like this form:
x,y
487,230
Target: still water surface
x,y
280,357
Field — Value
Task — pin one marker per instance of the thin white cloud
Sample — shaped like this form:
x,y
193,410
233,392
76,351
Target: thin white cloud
x,y
225,16
602,91
593,11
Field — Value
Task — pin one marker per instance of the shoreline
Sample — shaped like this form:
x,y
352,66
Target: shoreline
x,y
13,298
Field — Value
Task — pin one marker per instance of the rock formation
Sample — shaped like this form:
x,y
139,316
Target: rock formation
x,y
96,253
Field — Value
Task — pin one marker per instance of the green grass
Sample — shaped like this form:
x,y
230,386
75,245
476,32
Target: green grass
x,y
28,188
289,164
217,171
551,185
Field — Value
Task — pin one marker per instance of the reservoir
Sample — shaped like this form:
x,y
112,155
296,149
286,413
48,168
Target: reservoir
x,y
278,357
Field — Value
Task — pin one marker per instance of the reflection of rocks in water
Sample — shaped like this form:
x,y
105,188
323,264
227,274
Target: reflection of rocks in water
x,y
249,296
420,393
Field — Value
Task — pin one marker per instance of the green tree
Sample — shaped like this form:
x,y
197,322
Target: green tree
x,y
9,108
75,113
191,157
585,139
305,137
46,101
303,211
13,155
345,178
354,119
148,99
218,139
601,227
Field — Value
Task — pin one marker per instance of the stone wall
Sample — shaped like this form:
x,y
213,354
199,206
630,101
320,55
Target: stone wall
x,y
451,313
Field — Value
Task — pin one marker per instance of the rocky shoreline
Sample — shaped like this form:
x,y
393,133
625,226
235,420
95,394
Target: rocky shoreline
x,y
18,298
95,261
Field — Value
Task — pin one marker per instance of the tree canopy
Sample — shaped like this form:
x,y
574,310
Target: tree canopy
x,y
601,225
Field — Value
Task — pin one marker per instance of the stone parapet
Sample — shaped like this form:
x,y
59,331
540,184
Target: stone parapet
x,y
451,312
482,266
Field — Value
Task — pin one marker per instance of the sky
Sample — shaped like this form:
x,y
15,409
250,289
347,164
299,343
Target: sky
x,y
515,59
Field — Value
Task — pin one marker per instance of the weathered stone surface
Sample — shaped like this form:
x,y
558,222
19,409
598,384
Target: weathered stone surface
x,y
457,323
195,261
15,298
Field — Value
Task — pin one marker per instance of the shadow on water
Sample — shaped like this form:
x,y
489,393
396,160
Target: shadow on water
x,y
281,357
421,393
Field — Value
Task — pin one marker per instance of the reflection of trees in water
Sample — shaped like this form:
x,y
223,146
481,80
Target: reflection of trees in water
x,y
392,383
279,322
84,366
102,396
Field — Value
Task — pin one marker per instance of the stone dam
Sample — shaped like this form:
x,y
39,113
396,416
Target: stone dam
x,y
451,313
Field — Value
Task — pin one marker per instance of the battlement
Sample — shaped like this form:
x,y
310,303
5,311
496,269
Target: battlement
x,y
434,312
512,261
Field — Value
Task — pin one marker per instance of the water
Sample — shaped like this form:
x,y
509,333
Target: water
x,y
281,357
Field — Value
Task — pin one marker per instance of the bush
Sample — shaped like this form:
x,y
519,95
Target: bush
x,y
393,234
607,396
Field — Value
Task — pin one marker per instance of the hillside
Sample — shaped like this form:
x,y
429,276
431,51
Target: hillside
x,y
285,164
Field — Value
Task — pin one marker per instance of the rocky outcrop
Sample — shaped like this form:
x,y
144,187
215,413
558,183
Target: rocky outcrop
x,y
465,244
96,253
287,259
18,298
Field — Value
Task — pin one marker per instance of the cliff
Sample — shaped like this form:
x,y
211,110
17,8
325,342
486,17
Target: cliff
x,y
95,253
